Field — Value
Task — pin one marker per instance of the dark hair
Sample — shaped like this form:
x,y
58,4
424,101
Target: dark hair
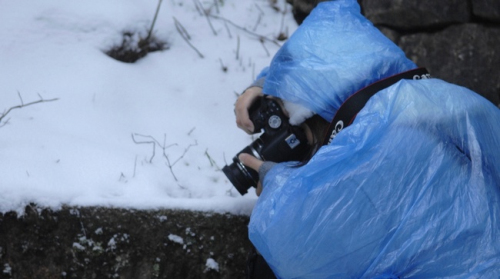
x,y
318,126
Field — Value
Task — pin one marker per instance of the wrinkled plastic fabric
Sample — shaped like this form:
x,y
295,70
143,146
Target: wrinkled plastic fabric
x,y
411,189
334,53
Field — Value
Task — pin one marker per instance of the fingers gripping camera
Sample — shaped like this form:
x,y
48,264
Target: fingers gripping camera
x,y
280,142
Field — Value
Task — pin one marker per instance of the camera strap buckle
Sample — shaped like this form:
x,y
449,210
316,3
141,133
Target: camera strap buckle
x,y
349,109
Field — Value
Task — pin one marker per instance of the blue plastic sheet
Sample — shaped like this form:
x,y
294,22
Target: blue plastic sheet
x,y
334,53
411,189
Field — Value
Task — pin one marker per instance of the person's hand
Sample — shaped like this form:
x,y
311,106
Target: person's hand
x,y
253,163
242,105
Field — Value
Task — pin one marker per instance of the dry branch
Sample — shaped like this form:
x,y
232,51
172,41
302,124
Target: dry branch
x,y
238,48
265,48
163,146
171,165
223,67
211,160
22,105
205,13
261,13
216,4
258,36
228,31
153,142
283,35
154,21
184,34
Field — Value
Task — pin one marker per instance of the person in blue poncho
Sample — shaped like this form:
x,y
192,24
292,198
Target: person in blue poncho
x,y
407,186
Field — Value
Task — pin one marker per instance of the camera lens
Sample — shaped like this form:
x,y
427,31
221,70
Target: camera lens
x,y
241,176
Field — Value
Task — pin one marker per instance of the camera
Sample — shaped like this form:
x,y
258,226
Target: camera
x,y
280,142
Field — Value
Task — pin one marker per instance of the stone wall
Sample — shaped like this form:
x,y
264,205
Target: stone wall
x,y
100,243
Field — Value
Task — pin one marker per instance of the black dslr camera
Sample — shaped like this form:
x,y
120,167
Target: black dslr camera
x,y
280,142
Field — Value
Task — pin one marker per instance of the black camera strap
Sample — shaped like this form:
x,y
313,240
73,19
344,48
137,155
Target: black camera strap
x,y
350,108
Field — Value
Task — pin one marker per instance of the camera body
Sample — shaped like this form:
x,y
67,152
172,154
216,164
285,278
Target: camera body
x,y
280,142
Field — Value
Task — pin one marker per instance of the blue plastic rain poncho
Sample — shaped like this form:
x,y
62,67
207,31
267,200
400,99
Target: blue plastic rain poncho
x,y
411,189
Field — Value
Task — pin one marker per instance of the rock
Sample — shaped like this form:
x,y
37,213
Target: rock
x,y
410,14
466,55
486,9
390,33
302,8
117,243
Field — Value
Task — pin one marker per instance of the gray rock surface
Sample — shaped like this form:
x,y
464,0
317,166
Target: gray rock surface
x,y
410,14
117,243
487,9
467,55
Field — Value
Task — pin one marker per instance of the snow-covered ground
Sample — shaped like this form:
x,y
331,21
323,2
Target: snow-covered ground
x,y
145,135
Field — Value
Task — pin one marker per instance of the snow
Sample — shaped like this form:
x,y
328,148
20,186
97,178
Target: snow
x,y
78,246
176,238
212,264
7,269
101,143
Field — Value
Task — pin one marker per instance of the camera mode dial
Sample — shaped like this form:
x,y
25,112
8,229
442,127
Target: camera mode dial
x,y
274,121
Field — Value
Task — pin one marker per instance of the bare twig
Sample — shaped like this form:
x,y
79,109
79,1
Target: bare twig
x,y
224,68
228,31
185,36
283,19
216,4
257,23
283,35
265,48
181,29
171,165
170,168
246,30
21,98
237,47
4,123
211,160
122,178
200,11
153,142
259,18
154,21
22,105
164,147
205,13
260,10
185,151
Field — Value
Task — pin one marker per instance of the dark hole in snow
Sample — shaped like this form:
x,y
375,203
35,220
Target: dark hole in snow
x,y
134,47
